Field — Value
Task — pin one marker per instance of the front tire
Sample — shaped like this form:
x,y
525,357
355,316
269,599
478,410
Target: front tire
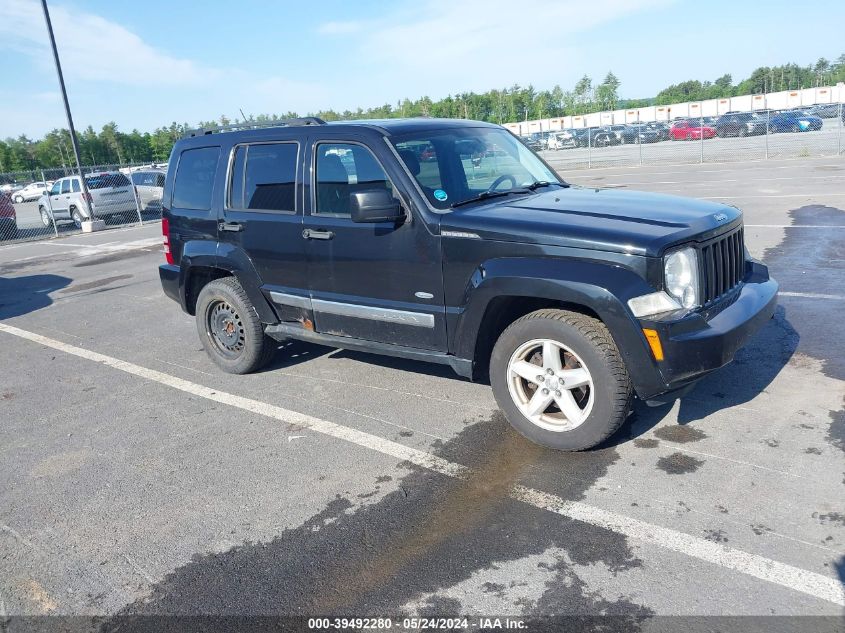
x,y
17,199
46,220
230,330
560,380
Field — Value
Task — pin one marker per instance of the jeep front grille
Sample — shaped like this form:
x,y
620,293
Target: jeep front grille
x,y
723,261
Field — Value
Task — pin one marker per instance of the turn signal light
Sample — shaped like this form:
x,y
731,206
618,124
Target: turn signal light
x,y
654,343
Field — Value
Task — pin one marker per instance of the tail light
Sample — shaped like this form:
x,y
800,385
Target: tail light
x,y
165,231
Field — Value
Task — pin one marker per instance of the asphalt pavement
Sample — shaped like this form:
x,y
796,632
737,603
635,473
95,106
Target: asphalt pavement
x,y
136,478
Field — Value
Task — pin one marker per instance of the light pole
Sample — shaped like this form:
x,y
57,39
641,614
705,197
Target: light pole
x,y
91,224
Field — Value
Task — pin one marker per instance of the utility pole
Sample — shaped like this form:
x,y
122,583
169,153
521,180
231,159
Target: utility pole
x,y
90,224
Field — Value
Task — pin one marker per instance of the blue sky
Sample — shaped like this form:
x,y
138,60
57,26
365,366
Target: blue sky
x,y
145,64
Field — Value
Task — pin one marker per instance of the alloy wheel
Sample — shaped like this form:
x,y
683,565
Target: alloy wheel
x,y
550,385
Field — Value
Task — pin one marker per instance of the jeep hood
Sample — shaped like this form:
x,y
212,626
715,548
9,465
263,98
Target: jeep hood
x,y
615,220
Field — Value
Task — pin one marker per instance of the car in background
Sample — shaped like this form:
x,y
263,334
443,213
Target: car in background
x,y
110,194
584,136
531,142
562,140
149,186
691,129
10,187
639,133
739,124
32,191
661,127
607,136
826,110
794,121
8,218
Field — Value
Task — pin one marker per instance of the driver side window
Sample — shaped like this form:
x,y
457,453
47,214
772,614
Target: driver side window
x,y
56,188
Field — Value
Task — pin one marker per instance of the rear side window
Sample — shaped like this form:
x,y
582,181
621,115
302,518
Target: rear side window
x,y
194,181
66,186
264,177
107,180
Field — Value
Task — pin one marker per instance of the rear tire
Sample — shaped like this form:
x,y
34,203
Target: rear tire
x,y
77,217
230,330
577,349
18,199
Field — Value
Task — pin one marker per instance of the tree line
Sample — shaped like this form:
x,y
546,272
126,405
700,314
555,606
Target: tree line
x,y
111,146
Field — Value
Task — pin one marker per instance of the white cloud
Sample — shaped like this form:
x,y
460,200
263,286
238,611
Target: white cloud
x,y
444,46
92,48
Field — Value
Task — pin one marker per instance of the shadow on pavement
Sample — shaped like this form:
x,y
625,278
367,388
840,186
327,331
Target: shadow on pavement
x,y
22,295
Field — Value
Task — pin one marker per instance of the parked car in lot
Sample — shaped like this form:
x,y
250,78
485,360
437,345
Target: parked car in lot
x,y
794,121
584,137
149,185
8,218
570,299
111,194
607,135
532,142
32,191
826,110
639,133
739,124
10,187
562,140
691,129
662,128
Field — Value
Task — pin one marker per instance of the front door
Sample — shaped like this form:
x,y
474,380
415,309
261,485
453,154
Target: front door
x,y
378,281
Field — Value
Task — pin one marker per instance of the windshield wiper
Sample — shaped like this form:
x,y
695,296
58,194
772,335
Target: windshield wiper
x,y
485,195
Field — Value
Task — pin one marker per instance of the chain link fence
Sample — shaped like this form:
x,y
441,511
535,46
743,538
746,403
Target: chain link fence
x,y
732,137
48,203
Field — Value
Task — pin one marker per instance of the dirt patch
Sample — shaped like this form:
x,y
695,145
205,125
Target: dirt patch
x,y
680,434
679,464
646,443
97,283
432,533
117,257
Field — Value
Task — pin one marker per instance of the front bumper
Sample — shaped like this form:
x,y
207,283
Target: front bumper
x,y
701,342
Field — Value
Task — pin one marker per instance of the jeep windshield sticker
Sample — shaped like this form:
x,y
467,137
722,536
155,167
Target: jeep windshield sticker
x,y
440,195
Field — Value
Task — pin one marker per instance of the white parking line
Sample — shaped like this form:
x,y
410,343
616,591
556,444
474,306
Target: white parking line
x,y
801,580
773,195
812,295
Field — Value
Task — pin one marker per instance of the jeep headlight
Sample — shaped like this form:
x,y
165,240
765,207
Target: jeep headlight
x,y
680,272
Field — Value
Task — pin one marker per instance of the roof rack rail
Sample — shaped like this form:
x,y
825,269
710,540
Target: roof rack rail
x,y
252,125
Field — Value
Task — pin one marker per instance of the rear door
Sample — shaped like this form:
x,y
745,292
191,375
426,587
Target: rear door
x,y
262,221
378,281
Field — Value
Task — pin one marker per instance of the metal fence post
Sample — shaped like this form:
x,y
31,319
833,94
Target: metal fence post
x,y
701,144
839,134
50,206
639,138
768,116
135,197
589,148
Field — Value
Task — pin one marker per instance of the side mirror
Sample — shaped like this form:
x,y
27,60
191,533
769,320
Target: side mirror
x,y
374,205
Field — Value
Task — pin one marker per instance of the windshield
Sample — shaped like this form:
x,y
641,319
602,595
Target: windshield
x,y
458,165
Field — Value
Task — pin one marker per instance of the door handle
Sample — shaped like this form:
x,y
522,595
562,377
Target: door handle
x,y
311,234
230,226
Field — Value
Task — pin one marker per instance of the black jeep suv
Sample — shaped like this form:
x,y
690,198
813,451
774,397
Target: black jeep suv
x,y
451,242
